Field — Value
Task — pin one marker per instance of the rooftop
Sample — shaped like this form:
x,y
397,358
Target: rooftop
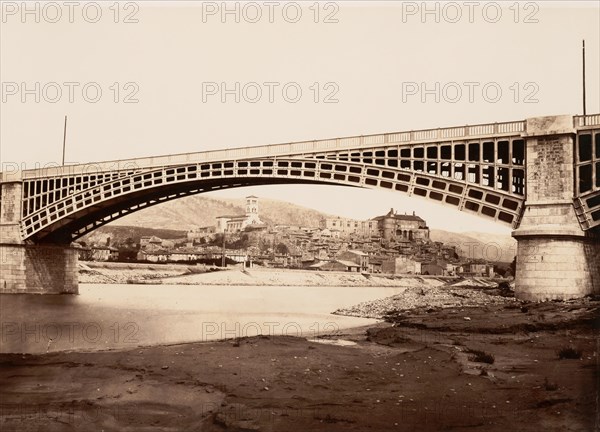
x,y
357,252
407,217
232,217
348,263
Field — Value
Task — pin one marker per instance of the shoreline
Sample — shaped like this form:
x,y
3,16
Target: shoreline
x,y
169,274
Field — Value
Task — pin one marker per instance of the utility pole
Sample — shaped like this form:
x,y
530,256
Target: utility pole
x,y
64,141
223,257
583,58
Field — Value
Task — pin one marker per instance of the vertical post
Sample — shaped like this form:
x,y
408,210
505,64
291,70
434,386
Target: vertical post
x,y
223,257
583,58
64,141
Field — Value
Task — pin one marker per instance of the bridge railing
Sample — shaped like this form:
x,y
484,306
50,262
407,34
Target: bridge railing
x,y
587,120
273,150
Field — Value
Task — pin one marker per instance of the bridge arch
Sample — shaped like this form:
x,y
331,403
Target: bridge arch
x,y
64,208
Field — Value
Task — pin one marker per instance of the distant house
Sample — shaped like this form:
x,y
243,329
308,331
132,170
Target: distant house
x,y
321,254
103,253
184,254
357,257
323,233
434,268
168,244
375,265
84,253
452,269
336,265
199,233
475,268
153,256
401,265
151,243
238,256
481,269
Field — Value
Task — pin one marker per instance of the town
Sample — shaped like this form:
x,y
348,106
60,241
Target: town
x,y
393,243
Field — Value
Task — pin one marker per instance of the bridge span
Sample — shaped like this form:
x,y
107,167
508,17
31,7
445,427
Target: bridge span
x,y
540,176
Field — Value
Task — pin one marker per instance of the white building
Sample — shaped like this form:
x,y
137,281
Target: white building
x,y
238,223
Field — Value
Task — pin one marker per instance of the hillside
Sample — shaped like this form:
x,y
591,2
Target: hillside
x,y
186,213
120,234
477,245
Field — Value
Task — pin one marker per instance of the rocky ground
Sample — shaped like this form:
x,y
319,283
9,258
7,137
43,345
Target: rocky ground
x,y
449,295
510,366
286,277
111,273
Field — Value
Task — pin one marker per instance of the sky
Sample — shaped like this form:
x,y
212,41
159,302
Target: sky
x,y
141,79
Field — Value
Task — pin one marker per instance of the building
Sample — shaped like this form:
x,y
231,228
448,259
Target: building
x,y
151,243
84,253
154,256
433,269
479,269
199,233
344,227
390,227
357,257
401,265
237,223
336,265
184,254
239,256
399,227
97,253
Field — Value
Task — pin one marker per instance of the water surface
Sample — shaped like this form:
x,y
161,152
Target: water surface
x,y
126,316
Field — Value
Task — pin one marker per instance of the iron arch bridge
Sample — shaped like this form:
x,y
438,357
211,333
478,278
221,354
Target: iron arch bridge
x,y
480,169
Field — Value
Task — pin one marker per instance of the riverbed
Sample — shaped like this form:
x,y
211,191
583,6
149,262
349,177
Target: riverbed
x,y
513,366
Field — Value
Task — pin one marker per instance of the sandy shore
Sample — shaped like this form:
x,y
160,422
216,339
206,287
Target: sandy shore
x,y
110,273
100,273
425,369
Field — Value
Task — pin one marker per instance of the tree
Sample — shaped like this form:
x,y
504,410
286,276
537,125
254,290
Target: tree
x,y
129,243
218,239
282,249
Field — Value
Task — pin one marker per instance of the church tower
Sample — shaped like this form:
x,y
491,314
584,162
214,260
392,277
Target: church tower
x,y
252,206
251,212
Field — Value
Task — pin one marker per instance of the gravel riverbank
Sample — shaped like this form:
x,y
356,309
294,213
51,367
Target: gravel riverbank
x,y
433,297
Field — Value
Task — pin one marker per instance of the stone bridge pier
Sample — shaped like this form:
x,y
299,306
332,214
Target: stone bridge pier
x,y
28,268
556,258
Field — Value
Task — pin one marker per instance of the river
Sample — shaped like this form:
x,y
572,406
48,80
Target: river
x,y
125,316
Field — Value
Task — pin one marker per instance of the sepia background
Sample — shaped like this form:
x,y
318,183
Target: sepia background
x,y
368,52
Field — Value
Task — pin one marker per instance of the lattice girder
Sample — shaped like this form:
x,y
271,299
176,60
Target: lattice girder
x,y
93,201
587,174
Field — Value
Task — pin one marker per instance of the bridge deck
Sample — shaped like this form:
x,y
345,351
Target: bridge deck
x,y
449,134
487,130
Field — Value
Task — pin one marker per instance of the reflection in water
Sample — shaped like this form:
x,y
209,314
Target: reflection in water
x,y
125,316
